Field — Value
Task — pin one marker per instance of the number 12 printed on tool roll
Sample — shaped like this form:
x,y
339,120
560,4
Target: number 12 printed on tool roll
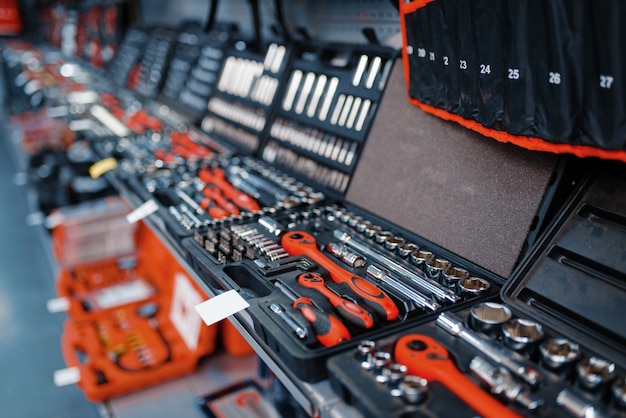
x,y
546,75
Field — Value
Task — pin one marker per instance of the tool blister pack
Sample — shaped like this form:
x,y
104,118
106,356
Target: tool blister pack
x,y
552,345
128,323
325,112
320,278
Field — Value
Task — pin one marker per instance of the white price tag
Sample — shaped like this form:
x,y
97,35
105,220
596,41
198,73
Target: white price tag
x,y
68,376
146,209
221,306
58,305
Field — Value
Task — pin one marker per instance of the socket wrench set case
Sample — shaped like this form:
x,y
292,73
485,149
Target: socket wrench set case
x,y
553,346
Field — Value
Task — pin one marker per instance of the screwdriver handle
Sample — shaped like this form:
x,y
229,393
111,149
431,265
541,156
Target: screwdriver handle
x,y
329,330
425,357
348,310
302,243
213,192
217,176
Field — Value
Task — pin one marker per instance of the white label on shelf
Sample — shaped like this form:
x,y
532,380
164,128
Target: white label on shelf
x,y
146,209
56,305
221,306
68,376
183,317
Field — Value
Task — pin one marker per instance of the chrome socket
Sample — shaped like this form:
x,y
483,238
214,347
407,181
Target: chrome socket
x,y
474,285
394,242
395,374
371,230
365,354
558,354
594,373
452,275
406,249
381,361
382,237
413,389
435,266
420,257
522,335
488,317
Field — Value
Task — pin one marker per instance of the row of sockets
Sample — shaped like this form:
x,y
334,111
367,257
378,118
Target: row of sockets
x,y
237,112
435,268
316,93
313,140
245,78
238,135
314,171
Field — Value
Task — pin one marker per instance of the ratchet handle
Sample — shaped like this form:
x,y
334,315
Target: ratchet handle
x,y
302,243
348,310
329,330
217,176
425,357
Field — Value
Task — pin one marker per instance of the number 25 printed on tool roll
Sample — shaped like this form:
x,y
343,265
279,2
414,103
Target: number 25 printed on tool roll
x,y
545,75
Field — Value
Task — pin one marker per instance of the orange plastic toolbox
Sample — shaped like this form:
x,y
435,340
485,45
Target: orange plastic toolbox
x,y
131,322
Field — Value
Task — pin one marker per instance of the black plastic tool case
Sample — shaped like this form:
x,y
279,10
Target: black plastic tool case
x,y
193,71
225,259
326,110
243,101
572,283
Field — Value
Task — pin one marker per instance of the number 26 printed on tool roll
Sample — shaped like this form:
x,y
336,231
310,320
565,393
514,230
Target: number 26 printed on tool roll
x,y
546,75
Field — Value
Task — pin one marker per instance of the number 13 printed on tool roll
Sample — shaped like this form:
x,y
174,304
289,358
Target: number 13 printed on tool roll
x,y
544,75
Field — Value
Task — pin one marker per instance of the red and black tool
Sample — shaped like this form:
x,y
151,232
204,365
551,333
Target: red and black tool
x,y
216,176
302,243
425,357
348,310
329,330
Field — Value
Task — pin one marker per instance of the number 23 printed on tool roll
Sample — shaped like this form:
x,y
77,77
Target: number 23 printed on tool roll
x,y
542,74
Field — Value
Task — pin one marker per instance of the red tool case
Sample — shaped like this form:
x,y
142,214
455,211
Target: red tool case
x,y
130,321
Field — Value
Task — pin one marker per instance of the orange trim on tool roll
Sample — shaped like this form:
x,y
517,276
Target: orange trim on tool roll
x,y
530,143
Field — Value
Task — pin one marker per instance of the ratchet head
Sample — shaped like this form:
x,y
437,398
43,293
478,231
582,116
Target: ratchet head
x,y
299,242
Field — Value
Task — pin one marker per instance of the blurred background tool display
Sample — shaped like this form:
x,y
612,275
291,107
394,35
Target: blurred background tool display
x,y
331,167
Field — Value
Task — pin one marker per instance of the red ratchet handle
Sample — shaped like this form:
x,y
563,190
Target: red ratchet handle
x,y
217,176
329,330
425,357
348,310
211,191
215,212
302,243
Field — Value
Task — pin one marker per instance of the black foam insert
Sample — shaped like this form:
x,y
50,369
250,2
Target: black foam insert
x,y
470,194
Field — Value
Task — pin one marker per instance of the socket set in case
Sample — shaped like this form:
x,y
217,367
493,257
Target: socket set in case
x,y
320,278
192,192
325,112
241,106
554,346
193,71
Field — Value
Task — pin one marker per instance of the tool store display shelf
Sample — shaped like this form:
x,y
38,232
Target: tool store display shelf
x,y
354,313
